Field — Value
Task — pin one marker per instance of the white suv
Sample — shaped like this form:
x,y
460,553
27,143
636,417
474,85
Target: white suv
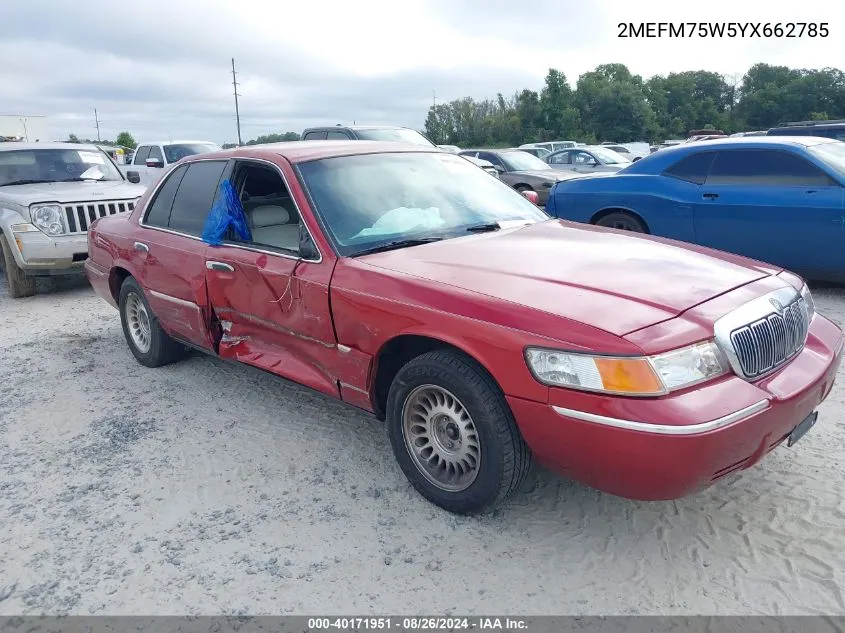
x,y
50,193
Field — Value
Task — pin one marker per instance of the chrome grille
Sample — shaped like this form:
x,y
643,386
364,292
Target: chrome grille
x,y
79,216
770,341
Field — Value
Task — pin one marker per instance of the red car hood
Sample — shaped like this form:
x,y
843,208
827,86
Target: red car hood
x,y
619,282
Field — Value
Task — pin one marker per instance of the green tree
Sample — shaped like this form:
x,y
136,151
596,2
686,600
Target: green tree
x,y
611,103
125,139
72,138
274,138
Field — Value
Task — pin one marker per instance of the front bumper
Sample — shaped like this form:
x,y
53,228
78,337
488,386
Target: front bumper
x,y
669,447
38,254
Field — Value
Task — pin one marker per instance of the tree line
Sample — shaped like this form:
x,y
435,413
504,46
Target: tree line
x,y
124,139
611,104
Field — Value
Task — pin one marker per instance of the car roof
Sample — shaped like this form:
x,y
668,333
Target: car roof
x,y
661,159
496,150
304,151
176,142
19,146
357,127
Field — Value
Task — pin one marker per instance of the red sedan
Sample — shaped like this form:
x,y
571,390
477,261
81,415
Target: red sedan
x,y
407,282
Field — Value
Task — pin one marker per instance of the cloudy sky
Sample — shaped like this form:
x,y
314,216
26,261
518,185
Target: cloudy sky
x,y
161,68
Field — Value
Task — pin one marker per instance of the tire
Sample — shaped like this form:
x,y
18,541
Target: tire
x,y
623,221
19,284
425,389
150,345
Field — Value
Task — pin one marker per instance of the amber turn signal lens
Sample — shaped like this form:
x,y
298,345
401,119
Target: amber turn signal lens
x,y
628,375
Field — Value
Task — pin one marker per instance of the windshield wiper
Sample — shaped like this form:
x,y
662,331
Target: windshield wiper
x,y
81,179
389,246
26,182
495,226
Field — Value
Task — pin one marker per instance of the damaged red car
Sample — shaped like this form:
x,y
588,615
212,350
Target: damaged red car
x,y
405,281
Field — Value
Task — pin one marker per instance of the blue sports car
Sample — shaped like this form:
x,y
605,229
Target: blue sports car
x,y
776,199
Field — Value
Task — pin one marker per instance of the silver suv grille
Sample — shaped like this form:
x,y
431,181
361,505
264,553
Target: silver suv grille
x,y
764,334
79,216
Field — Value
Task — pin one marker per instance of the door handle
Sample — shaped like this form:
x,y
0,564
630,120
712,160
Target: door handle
x,y
140,246
711,196
219,266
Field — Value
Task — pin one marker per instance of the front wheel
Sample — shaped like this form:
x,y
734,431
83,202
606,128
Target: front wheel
x,y
19,284
453,433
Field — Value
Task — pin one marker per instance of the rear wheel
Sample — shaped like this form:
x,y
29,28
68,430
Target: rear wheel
x,y
622,220
19,284
453,433
151,345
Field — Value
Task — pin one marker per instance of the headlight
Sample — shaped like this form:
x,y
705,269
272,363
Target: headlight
x,y
48,218
631,376
808,301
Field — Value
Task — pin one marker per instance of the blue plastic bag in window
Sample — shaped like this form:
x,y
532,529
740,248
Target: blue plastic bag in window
x,y
226,212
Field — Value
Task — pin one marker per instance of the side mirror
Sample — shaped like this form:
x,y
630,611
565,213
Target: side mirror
x,y
499,169
307,248
133,177
154,162
531,196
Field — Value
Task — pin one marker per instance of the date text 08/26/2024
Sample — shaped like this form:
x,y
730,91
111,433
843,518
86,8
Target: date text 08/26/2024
x,y
723,29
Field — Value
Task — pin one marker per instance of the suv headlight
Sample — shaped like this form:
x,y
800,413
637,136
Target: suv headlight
x,y
808,301
48,218
629,376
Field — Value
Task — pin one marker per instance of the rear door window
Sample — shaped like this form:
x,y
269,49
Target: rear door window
x,y
195,196
770,168
315,135
141,155
158,213
335,134
560,159
155,154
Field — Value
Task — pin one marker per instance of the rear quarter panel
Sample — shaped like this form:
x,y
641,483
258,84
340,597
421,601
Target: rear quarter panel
x,y
665,204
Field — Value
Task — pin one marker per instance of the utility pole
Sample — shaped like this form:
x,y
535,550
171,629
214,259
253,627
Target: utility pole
x,y
237,112
97,123
433,100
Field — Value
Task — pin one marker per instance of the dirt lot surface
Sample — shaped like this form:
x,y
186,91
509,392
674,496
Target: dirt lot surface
x,y
208,487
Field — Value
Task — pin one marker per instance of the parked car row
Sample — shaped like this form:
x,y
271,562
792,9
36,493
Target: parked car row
x,y
402,280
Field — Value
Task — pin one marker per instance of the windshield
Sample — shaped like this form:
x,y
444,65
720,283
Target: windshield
x,y
177,151
609,157
371,200
29,166
832,154
522,161
400,135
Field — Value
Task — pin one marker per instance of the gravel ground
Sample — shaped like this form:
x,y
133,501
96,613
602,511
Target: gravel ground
x,y
208,487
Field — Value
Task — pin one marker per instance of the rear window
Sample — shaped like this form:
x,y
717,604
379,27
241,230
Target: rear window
x,y
195,195
693,168
398,135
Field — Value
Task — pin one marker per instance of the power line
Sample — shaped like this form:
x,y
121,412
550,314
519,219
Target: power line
x,y
237,111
